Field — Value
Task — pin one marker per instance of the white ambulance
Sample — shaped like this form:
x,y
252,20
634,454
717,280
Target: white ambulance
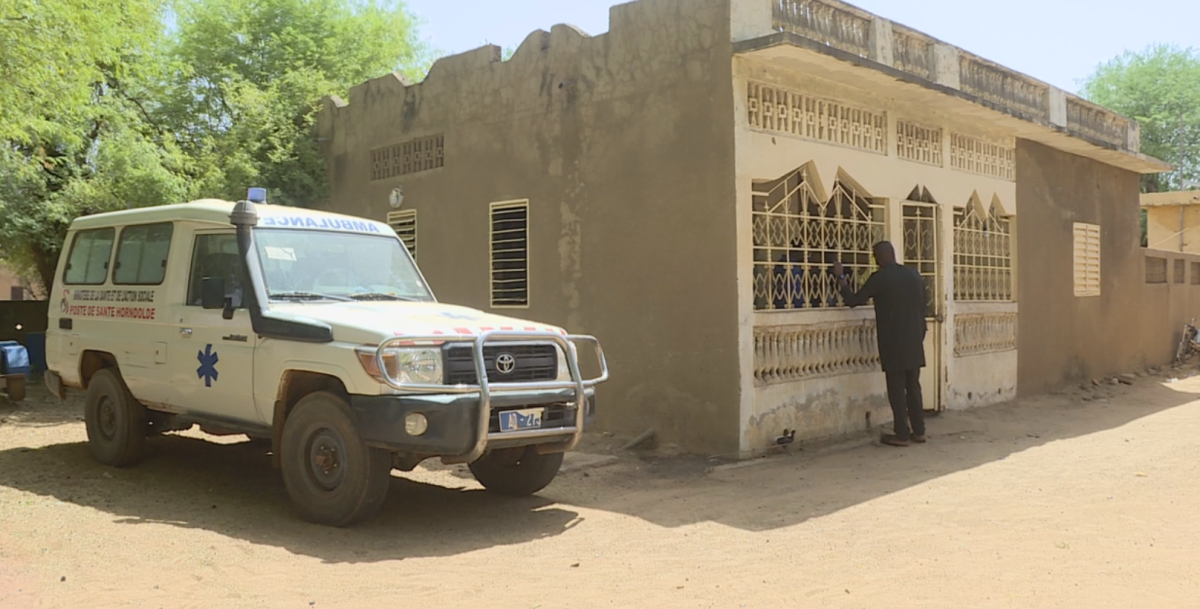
x,y
310,331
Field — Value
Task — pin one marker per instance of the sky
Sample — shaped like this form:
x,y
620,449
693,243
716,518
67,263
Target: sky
x,y
1058,41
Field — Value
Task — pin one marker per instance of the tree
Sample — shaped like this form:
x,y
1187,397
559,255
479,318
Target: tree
x,y
248,78
52,54
1160,88
77,138
114,104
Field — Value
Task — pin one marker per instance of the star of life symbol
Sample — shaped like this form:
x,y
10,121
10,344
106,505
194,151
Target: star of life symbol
x,y
208,365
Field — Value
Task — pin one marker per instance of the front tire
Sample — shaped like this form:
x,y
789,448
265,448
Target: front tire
x,y
517,472
331,475
116,423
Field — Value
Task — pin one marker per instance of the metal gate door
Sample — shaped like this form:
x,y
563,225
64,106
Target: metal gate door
x,y
923,251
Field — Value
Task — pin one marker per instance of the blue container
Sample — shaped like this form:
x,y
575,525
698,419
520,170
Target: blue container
x,y
14,359
35,343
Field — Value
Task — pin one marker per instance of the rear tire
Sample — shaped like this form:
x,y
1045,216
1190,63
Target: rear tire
x,y
331,475
16,388
116,423
516,472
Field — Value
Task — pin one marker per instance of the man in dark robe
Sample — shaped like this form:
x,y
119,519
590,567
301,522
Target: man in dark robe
x,y
899,294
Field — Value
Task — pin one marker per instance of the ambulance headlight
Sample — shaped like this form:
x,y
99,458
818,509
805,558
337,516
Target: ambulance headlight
x,y
405,365
564,371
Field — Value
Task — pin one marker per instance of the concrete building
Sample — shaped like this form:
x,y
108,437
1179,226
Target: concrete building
x,y
1173,221
13,287
678,186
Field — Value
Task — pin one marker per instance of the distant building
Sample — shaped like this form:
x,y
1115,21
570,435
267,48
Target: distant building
x,y
13,287
680,185
1173,221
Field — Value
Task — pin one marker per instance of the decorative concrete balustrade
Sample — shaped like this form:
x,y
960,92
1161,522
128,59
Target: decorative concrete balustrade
x,y
858,32
834,25
978,333
784,354
1097,122
1003,87
912,52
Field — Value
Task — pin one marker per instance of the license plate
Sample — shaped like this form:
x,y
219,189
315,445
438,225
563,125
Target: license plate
x,y
516,420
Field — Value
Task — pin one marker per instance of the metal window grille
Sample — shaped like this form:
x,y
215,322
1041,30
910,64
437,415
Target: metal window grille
x,y
1180,270
921,249
982,256
420,154
405,224
974,155
919,144
1156,270
797,238
1195,273
510,254
793,113
1087,260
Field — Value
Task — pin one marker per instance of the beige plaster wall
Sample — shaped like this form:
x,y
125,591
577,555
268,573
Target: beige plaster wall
x,y
1064,338
1174,228
763,155
8,281
1164,307
984,378
622,143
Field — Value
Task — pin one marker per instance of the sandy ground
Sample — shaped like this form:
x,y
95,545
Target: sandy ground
x,y
1083,499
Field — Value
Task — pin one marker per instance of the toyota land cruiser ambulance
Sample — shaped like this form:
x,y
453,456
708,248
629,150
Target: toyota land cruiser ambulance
x,y
310,331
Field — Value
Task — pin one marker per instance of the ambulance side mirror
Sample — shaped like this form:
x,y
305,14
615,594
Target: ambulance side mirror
x,y
212,296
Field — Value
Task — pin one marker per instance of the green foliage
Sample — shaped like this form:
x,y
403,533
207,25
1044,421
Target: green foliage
x,y
52,54
74,136
249,78
114,104
1160,88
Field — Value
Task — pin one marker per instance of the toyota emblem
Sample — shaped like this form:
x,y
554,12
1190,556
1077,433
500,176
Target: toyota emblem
x,y
506,363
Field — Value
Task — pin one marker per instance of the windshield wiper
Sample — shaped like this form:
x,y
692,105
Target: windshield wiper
x,y
305,296
381,296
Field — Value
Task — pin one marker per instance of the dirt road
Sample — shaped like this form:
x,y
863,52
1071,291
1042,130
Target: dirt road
x,y
1052,502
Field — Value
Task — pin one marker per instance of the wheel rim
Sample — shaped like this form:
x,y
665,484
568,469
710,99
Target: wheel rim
x,y
106,417
326,459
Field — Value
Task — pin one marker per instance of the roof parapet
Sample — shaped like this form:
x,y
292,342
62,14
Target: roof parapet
x,y
858,32
1171,199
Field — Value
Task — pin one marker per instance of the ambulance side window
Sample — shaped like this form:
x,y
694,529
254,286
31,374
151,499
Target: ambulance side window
x,y
142,254
216,256
87,264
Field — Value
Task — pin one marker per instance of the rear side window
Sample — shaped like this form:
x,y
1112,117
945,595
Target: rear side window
x,y
87,263
142,254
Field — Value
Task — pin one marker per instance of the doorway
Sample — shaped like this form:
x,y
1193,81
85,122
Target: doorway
x,y
921,223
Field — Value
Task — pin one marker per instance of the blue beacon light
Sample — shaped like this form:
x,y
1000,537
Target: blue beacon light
x,y
257,195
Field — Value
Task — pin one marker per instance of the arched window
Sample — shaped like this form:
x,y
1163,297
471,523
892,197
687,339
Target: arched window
x,y
798,234
982,253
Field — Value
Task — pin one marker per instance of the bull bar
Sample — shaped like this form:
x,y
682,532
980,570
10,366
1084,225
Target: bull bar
x,y
485,388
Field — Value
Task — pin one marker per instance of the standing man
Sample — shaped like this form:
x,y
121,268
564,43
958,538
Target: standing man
x,y
899,294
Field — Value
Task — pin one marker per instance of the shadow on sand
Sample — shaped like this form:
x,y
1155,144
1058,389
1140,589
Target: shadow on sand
x,y
231,489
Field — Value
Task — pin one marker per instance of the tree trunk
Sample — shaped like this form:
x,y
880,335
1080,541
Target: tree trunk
x,y
47,264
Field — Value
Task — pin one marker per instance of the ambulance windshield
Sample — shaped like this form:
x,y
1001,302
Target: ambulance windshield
x,y
334,265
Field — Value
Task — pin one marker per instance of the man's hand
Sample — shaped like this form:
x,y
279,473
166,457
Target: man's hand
x,y
837,268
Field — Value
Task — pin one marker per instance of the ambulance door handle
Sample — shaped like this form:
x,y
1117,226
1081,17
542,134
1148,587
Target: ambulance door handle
x,y
185,332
